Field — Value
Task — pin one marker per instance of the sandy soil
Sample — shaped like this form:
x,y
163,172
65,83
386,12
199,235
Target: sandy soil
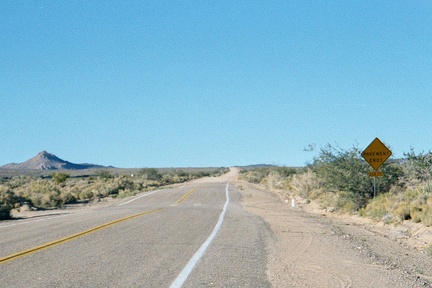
x,y
313,248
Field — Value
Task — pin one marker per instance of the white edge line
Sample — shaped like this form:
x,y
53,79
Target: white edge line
x,y
181,278
146,194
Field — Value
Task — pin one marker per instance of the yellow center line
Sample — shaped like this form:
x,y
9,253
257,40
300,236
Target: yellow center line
x,y
71,237
186,195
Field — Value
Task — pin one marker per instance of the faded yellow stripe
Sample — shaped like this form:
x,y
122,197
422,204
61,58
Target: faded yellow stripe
x,y
69,238
186,195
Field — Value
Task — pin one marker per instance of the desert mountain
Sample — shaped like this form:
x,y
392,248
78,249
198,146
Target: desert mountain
x,y
47,161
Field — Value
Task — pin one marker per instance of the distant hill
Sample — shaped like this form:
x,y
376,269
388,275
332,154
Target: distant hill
x,y
46,161
253,166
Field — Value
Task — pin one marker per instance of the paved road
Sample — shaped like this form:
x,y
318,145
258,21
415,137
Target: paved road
x,y
197,235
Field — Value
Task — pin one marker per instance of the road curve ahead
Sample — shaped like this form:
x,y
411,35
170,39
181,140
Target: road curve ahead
x,y
196,235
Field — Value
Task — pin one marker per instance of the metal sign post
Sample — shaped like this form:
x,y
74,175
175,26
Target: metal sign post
x,y
374,186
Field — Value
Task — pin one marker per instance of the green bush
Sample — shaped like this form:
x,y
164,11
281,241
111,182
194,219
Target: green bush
x,y
7,201
86,195
338,169
59,177
150,174
68,198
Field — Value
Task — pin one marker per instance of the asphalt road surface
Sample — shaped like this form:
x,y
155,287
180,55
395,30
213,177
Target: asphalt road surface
x,y
197,235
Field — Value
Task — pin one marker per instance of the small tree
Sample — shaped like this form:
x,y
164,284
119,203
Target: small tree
x,y
338,170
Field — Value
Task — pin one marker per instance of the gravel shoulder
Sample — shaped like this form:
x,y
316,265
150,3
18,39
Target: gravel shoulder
x,y
310,248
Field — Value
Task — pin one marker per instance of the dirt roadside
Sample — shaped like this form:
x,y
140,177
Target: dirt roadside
x,y
313,249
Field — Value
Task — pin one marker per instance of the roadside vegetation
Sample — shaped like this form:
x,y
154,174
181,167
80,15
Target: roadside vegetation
x,y
60,188
338,179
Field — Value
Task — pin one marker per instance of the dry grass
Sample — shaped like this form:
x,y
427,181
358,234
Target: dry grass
x,y
396,206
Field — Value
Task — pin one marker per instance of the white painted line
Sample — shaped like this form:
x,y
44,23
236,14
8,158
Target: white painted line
x,y
181,278
147,194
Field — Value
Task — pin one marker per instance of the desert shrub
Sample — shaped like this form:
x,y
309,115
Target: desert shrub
x,y
86,194
411,205
68,198
125,193
426,219
403,210
104,174
125,183
274,177
59,177
7,201
377,208
19,181
74,191
346,202
35,199
114,185
425,188
52,199
150,174
166,178
326,199
285,171
338,169
177,178
201,174
181,173
39,186
102,190
417,168
255,176
304,183
40,193
274,180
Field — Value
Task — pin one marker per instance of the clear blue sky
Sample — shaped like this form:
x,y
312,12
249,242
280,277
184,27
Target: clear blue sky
x,y
212,83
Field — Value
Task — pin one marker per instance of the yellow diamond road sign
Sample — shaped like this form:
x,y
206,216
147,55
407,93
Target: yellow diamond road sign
x,y
376,154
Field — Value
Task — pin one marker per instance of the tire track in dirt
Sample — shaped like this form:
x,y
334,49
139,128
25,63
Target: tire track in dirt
x,y
309,250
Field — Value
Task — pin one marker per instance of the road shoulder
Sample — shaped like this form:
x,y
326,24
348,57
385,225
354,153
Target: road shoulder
x,y
307,247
